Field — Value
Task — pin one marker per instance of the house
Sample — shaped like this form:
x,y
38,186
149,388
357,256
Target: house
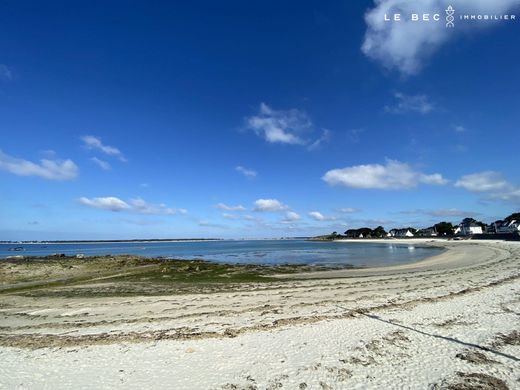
x,y
427,232
400,233
491,229
508,227
514,226
496,226
468,229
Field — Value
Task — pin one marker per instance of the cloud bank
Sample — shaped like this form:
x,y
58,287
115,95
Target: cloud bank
x,y
291,216
46,169
223,206
394,175
491,184
136,205
271,205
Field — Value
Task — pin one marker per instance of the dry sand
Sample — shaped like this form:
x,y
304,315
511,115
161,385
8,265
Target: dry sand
x,y
451,321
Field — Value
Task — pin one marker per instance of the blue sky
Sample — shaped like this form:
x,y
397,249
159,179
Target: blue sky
x,y
253,119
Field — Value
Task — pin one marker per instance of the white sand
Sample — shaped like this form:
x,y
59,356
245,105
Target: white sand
x,y
394,327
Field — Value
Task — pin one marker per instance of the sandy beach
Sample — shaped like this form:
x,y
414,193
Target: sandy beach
x,y
451,321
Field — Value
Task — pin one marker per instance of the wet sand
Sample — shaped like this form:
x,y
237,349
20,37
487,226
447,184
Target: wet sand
x,y
447,321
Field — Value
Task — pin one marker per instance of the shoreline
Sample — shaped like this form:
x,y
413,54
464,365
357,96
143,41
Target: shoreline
x,y
109,241
449,321
455,254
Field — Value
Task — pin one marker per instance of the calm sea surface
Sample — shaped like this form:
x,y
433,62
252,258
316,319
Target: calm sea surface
x,y
244,251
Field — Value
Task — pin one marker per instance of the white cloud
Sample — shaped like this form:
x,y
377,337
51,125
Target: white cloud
x,y
509,196
100,163
285,127
141,206
491,184
448,213
106,203
230,216
223,206
452,212
325,136
291,216
136,205
348,210
282,126
483,182
5,73
269,205
459,128
209,224
406,45
246,172
91,142
47,169
435,179
143,222
394,175
410,103
317,216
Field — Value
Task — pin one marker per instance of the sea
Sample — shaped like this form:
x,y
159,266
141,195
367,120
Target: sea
x,y
260,252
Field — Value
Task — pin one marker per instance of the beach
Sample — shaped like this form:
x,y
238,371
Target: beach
x,y
451,321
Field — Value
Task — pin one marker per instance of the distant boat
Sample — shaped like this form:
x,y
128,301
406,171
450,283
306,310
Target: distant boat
x,y
17,248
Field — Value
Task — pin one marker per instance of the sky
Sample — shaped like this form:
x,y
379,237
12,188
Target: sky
x,y
243,119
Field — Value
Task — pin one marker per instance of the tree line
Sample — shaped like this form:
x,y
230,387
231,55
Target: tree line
x,y
442,229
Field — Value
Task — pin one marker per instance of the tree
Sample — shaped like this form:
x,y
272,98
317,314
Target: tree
x,y
334,234
473,221
514,216
351,233
379,232
444,229
366,232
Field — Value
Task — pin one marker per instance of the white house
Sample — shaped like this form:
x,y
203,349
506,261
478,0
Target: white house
x,y
406,233
514,226
400,233
468,229
511,227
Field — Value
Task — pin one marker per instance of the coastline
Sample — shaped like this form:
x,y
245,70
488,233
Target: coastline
x,y
455,254
447,319
108,241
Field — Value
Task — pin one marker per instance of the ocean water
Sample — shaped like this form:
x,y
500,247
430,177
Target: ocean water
x,y
267,252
